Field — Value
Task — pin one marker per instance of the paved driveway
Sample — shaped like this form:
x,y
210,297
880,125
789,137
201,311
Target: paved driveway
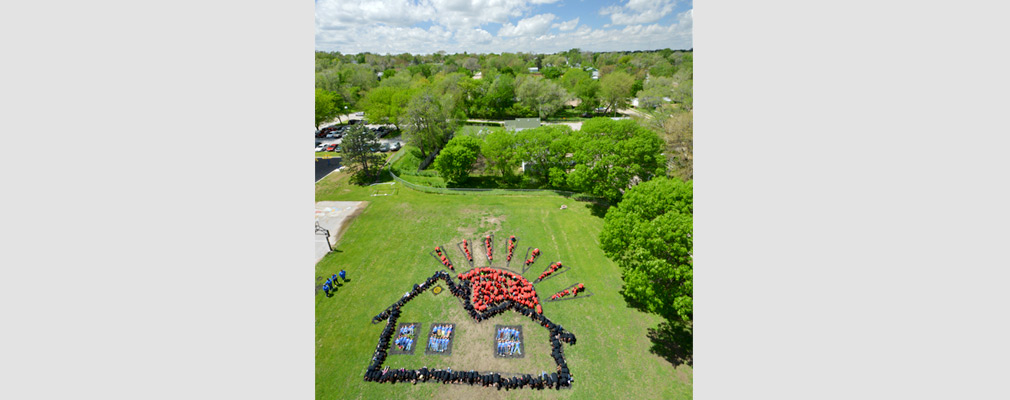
x,y
333,215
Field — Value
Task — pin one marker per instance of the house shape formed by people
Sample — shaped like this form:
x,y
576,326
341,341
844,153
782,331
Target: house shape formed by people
x,y
473,285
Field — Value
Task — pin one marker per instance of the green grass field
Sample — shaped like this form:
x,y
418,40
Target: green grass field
x,y
385,251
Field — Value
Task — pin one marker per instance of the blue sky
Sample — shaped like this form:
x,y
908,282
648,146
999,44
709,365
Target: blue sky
x,y
495,26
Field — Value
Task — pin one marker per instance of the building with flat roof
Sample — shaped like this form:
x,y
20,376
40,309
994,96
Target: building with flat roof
x,y
519,124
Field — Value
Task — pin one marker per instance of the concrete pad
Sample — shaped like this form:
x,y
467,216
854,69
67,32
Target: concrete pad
x,y
334,216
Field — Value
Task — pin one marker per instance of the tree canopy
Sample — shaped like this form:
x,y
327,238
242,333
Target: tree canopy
x,y
359,146
328,106
610,156
649,235
614,90
455,161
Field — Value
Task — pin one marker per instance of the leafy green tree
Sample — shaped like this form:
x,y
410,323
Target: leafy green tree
x,y
499,149
677,130
611,156
455,161
551,72
328,106
684,94
583,86
662,68
655,90
500,96
429,121
543,149
542,95
648,234
471,64
386,104
358,147
615,89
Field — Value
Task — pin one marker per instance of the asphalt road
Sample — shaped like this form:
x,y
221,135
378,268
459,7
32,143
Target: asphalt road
x,y
326,165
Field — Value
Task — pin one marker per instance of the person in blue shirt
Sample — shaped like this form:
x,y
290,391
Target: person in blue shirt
x,y
343,275
326,289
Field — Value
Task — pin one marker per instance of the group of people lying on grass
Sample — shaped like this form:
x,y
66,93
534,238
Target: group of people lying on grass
x,y
512,246
509,342
331,283
487,244
405,340
557,336
574,291
550,270
490,287
438,340
466,250
441,257
555,380
533,256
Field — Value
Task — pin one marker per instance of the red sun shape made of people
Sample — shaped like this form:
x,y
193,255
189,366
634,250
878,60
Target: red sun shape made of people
x,y
491,286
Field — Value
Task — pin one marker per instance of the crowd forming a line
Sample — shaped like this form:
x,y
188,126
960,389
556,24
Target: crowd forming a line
x,y
441,257
561,378
512,246
533,257
574,291
550,270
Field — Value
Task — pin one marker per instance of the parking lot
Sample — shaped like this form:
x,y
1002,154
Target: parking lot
x,y
379,130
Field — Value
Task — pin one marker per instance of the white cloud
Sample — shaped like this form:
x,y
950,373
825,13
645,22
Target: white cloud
x,y
390,26
467,37
567,25
533,26
639,11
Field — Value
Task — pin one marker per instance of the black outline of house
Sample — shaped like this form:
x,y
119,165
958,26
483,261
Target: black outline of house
x,y
464,292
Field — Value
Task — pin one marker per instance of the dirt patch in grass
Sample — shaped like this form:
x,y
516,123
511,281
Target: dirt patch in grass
x,y
491,223
467,233
346,223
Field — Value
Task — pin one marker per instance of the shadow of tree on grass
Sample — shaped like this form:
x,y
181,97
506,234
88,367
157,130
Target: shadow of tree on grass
x,y
674,342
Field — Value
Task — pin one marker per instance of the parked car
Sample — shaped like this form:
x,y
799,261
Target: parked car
x,y
396,146
332,147
321,147
384,148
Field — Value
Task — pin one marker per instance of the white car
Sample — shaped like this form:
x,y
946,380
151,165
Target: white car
x,y
331,135
321,147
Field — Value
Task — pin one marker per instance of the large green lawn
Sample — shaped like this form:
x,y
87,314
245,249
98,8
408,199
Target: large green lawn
x,y
385,251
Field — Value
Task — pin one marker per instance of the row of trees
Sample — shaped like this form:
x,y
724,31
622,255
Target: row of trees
x,y
604,158
353,76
